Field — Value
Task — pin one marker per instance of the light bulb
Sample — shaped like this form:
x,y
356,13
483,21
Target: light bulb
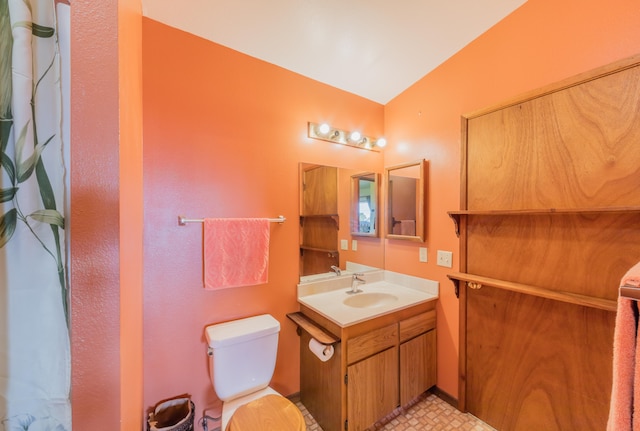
x,y
381,142
355,136
324,129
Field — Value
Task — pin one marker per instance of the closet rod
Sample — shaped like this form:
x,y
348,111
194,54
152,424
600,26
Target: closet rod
x,y
182,220
630,291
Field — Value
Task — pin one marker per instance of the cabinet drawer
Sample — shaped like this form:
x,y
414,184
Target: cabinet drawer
x,y
372,342
417,325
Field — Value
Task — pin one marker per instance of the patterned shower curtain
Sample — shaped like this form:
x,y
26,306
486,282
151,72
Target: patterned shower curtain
x,y
34,337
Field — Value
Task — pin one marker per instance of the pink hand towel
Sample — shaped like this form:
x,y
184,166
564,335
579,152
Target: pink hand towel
x,y
624,410
236,252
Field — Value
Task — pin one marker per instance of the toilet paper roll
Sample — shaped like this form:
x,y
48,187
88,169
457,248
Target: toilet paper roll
x,y
322,351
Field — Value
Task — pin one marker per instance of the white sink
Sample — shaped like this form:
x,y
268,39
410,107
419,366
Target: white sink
x,y
384,292
369,300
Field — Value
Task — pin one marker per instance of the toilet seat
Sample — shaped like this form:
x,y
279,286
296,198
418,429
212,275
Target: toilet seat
x,y
270,412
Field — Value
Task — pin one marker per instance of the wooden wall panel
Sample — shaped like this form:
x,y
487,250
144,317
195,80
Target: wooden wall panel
x,y
320,191
572,148
537,364
529,362
585,254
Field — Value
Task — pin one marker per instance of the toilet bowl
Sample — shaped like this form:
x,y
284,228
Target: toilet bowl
x,y
242,356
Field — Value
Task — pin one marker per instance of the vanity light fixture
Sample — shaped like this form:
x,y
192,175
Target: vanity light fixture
x,y
355,139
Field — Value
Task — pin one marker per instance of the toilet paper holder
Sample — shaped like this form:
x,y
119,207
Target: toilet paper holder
x,y
324,352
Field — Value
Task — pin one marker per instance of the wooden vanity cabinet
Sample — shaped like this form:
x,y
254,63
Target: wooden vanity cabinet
x,y
417,355
378,365
372,376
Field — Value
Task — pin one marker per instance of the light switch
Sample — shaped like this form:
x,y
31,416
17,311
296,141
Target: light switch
x,y
344,244
423,254
445,258
354,245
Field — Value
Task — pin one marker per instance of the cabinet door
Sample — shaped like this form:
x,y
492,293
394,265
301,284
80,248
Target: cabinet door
x,y
417,366
372,389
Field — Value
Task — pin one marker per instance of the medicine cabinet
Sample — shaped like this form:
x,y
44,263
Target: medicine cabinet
x,y
364,204
406,201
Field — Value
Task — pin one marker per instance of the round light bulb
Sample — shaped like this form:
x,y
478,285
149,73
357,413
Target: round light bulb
x,y
355,136
324,128
381,142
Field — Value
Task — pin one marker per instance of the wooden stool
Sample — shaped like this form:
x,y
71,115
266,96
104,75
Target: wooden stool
x,y
269,413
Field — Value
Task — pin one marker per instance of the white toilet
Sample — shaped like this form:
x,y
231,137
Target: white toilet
x,y
242,357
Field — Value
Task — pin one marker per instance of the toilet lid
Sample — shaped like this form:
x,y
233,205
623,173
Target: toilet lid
x,y
271,412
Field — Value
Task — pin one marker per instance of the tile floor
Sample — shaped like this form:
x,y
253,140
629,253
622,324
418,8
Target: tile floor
x,y
429,412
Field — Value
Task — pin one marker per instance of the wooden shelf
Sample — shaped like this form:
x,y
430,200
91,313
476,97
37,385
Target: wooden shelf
x,y
478,281
325,250
312,328
317,215
334,217
455,215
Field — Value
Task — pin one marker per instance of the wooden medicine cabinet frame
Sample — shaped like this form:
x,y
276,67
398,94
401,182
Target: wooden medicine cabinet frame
x,y
418,171
356,226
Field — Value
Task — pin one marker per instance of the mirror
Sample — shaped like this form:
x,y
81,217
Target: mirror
x,y
327,237
405,188
364,204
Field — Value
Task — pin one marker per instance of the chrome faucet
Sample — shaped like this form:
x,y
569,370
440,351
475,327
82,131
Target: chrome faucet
x,y
356,281
335,269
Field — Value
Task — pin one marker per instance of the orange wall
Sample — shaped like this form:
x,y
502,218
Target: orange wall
x,y
95,188
223,136
131,213
106,215
542,42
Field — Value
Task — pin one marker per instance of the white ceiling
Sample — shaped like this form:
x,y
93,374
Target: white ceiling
x,y
372,48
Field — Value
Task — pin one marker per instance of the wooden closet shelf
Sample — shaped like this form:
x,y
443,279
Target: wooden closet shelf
x,y
312,328
334,217
477,281
317,215
326,250
455,215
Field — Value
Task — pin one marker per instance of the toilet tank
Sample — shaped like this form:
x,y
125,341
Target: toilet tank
x,y
242,355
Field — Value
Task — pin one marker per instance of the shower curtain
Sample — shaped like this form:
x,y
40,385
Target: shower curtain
x,y
34,336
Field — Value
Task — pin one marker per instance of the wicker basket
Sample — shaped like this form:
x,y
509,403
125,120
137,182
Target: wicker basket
x,y
176,414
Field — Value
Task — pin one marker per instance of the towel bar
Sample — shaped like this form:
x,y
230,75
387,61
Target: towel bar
x,y
182,220
630,291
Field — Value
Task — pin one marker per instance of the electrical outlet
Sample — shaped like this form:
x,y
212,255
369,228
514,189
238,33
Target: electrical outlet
x,y
423,254
354,245
344,244
445,258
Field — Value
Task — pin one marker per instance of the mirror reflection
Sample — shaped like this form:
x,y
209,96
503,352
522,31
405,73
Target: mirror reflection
x,y
364,204
330,236
406,201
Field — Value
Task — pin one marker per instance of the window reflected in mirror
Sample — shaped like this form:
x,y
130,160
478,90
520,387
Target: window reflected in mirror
x,y
406,201
364,204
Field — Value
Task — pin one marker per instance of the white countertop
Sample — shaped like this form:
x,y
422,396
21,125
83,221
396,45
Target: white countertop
x,y
395,291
